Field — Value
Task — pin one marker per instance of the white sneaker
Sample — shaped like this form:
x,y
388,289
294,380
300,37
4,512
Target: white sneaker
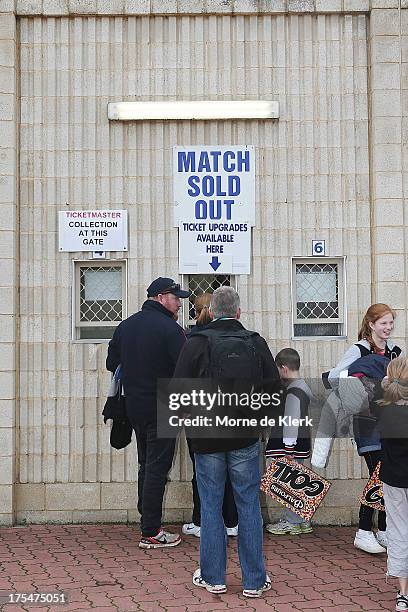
x,y
164,539
232,531
283,527
216,589
402,602
191,529
258,592
382,538
366,540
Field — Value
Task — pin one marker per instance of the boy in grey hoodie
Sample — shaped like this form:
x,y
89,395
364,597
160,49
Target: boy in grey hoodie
x,y
293,440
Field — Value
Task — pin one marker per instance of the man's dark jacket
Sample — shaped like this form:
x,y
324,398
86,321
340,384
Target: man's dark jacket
x,y
193,362
147,344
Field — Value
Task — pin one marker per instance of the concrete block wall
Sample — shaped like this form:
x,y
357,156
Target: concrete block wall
x,y
389,132
8,257
332,164
115,502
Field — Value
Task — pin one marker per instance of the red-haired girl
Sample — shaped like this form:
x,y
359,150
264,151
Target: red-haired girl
x,y
373,338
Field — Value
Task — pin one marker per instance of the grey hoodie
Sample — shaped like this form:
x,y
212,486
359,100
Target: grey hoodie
x,y
292,409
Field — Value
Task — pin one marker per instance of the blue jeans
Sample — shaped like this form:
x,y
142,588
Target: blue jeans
x,y
243,469
229,509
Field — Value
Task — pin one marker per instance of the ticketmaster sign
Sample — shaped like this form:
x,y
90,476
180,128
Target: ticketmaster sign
x,y
214,194
92,230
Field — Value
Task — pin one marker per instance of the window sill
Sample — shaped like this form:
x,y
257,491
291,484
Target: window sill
x,y
90,341
319,337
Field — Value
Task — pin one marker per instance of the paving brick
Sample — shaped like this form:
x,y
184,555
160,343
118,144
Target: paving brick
x,y
280,607
102,568
315,604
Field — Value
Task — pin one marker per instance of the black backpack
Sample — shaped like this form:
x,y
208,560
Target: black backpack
x,y
232,355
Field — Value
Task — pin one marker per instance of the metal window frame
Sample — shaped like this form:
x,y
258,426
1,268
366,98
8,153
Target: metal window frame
x,y
77,264
186,322
342,288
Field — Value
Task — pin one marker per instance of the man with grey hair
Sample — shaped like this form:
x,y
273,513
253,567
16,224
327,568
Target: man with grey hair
x,y
225,303
232,357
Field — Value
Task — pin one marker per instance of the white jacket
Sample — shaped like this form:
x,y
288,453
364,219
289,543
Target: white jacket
x,y
336,419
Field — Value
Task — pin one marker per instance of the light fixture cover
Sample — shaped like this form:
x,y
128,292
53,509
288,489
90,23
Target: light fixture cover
x,y
196,110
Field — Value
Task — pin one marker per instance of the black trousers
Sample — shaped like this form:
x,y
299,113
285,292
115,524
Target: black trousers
x,y
229,509
155,457
366,513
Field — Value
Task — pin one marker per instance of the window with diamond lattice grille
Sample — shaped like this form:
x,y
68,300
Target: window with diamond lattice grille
x,y
202,283
99,299
318,297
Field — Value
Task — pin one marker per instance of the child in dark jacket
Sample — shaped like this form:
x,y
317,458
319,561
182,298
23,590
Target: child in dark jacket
x,y
294,441
392,415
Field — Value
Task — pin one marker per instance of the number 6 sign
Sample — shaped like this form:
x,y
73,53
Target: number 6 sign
x,y
319,248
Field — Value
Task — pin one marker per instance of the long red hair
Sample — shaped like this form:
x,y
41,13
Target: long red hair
x,y
375,312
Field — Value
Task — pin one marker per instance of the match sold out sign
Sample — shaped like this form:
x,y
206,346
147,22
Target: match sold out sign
x,y
295,486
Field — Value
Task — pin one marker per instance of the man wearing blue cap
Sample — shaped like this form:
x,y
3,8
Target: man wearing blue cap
x,y
148,344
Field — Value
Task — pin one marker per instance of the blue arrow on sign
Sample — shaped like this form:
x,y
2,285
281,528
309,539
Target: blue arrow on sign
x,y
215,264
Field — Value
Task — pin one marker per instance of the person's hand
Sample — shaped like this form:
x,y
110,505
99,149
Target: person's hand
x,y
290,457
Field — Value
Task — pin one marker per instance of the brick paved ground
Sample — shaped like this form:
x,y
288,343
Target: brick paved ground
x,y
101,567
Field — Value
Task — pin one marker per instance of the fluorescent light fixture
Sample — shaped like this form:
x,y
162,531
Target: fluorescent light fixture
x,y
195,110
